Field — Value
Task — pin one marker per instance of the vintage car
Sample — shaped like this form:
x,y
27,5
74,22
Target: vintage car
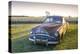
x,y
49,32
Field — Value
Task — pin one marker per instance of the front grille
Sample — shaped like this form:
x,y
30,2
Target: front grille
x,y
41,37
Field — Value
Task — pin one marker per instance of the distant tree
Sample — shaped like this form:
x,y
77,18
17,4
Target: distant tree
x,y
47,13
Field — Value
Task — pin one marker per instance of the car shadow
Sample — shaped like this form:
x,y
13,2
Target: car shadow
x,y
43,47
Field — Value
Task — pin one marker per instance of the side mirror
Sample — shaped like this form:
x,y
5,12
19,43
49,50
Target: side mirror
x,y
64,21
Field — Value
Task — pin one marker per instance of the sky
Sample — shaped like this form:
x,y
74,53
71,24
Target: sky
x,y
39,9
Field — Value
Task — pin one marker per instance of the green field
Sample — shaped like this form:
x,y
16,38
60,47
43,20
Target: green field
x,y
20,42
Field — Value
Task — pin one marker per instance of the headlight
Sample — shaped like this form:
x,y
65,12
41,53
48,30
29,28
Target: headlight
x,y
34,37
56,33
31,32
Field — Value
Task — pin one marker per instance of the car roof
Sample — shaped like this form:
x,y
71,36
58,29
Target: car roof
x,y
54,16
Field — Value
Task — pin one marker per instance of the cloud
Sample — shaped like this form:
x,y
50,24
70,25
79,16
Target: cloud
x,y
38,9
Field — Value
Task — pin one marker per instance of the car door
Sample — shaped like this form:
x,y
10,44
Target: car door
x,y
62,28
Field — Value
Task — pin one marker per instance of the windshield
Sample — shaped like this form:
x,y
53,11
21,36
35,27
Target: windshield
x,y
57,20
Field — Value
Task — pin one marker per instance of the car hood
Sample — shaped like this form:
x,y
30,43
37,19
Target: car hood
x,y
49,27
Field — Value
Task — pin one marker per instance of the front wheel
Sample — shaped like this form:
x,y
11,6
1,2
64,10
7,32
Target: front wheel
x,y
59,39
62,35
46,44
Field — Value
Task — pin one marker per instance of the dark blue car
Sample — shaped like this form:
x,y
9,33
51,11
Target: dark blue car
x,y
49,32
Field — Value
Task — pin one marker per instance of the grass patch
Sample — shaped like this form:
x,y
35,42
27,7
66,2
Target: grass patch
x,y
69,41
20,30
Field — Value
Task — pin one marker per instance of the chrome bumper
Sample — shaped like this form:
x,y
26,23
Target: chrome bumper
x,y
48,42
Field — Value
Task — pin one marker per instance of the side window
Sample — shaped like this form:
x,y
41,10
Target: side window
x,y
47,20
